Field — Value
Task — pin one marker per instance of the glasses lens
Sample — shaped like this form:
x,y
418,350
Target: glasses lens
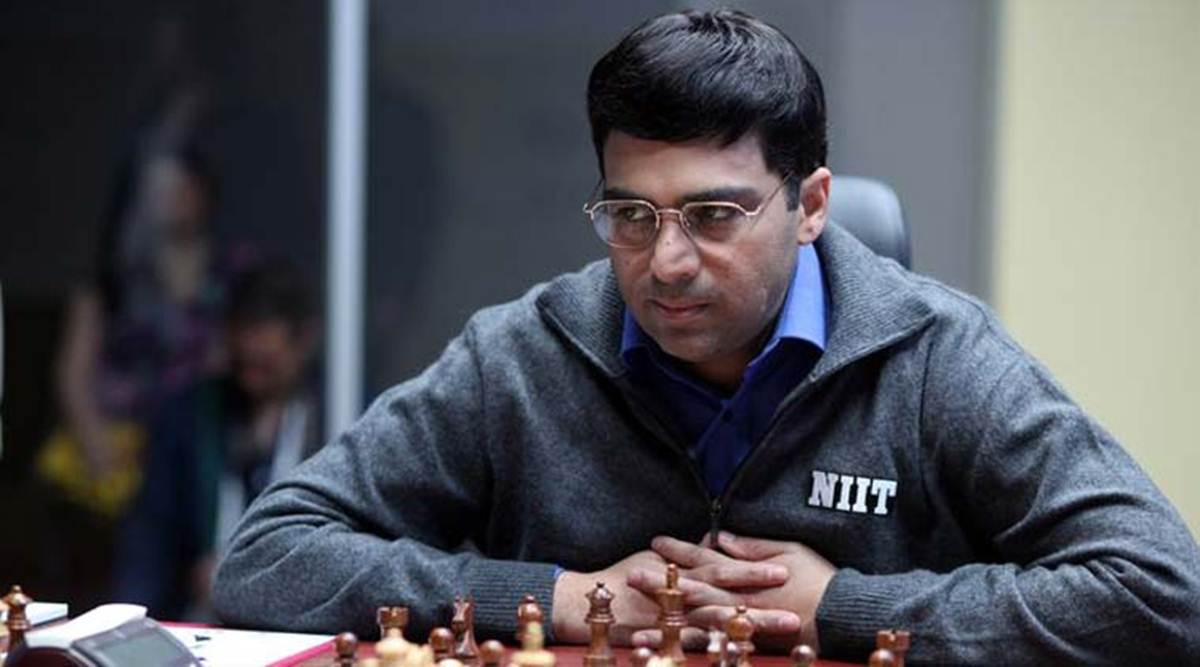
x,y
624,224
714,222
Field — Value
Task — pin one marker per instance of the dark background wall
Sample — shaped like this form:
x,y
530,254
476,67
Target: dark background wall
x,y
479,152
479,156
501,156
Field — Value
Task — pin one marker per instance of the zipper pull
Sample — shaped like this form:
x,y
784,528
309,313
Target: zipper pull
x,y
715,525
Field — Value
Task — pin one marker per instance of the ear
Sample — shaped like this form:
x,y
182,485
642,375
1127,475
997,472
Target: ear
x,y
814,202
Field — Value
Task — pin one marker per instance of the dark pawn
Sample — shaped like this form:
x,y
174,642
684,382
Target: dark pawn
x,y
18,622
640,656
441,640
491,653
883,658
803,656
345,646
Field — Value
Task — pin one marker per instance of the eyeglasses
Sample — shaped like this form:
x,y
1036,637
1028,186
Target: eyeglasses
x,y
634,223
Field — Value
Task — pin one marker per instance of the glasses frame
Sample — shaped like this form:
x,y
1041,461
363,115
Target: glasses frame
x,y
589,209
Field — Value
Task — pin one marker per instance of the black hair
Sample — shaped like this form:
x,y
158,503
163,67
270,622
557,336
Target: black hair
x,y
274,291
719,75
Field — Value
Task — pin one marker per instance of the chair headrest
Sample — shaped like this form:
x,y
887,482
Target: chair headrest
x,y
870,210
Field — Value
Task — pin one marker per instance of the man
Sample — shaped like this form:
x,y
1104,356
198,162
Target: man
x,y
216,445
748,392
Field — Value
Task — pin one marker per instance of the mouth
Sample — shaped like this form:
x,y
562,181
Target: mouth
x,y
677,311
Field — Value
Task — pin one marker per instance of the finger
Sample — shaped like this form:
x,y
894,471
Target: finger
x,y
683,553
696,593
691,638
741,574
752,548
647,638
766,621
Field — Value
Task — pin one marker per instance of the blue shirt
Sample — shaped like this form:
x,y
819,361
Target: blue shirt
x,y
721,430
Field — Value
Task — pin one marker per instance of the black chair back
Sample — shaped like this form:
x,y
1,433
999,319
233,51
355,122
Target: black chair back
x,y
870,210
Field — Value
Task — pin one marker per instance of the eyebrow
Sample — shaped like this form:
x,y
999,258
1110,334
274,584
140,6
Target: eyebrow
x,y
741,195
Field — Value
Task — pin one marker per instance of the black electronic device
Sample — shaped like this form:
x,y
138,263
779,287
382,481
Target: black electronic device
x,y
112,635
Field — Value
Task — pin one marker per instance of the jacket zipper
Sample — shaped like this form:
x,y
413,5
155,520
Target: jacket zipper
x,y
715,522
718,505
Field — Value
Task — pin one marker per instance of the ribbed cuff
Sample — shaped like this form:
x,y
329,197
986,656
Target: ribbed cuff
x,y
499,585
856,606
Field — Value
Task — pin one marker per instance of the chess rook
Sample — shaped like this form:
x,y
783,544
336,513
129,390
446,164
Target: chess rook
x,y
894,641
391,618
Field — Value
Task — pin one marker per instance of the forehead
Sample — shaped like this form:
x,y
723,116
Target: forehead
x,y
663,170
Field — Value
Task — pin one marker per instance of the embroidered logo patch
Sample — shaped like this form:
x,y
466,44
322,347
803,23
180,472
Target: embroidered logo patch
x,y
851,493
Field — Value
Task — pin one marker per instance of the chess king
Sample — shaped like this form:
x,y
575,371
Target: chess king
x,y
743,389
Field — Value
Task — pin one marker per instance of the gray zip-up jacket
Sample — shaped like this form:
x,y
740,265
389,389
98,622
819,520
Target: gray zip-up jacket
x,y
962,494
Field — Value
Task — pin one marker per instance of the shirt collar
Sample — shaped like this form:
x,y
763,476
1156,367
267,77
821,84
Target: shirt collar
x,y
802,316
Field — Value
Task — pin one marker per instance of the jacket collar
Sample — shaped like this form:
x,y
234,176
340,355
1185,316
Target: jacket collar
x,y
873,304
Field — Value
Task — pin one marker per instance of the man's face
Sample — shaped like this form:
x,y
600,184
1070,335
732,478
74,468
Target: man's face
x,y
269,358
706,304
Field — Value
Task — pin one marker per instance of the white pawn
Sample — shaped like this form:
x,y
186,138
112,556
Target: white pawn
x,y
533,652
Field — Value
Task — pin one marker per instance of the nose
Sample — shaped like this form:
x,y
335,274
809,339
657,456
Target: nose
x,y
675,259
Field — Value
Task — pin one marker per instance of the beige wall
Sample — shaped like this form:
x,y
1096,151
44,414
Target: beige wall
x,y
1097,226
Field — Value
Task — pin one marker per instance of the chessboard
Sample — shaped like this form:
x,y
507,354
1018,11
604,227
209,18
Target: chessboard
x,y
456,645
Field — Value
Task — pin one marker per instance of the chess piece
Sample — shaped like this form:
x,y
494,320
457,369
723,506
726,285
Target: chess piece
x,y
599,618
527,612
660,661
716,648
463,627
419,656
640,656
803,656
450,662
392,649
345,646
882,657
491,653
391,618
671,618
895,641
18,622
733,654
740,630
441,640
533,652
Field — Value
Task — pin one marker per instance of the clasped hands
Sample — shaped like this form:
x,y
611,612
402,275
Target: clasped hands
x,y
780,583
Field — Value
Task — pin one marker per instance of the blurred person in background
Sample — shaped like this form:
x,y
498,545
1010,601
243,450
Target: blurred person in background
x,y
217,444
147,323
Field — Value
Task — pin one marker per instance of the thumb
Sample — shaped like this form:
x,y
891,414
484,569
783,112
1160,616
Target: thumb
x,y
752,548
